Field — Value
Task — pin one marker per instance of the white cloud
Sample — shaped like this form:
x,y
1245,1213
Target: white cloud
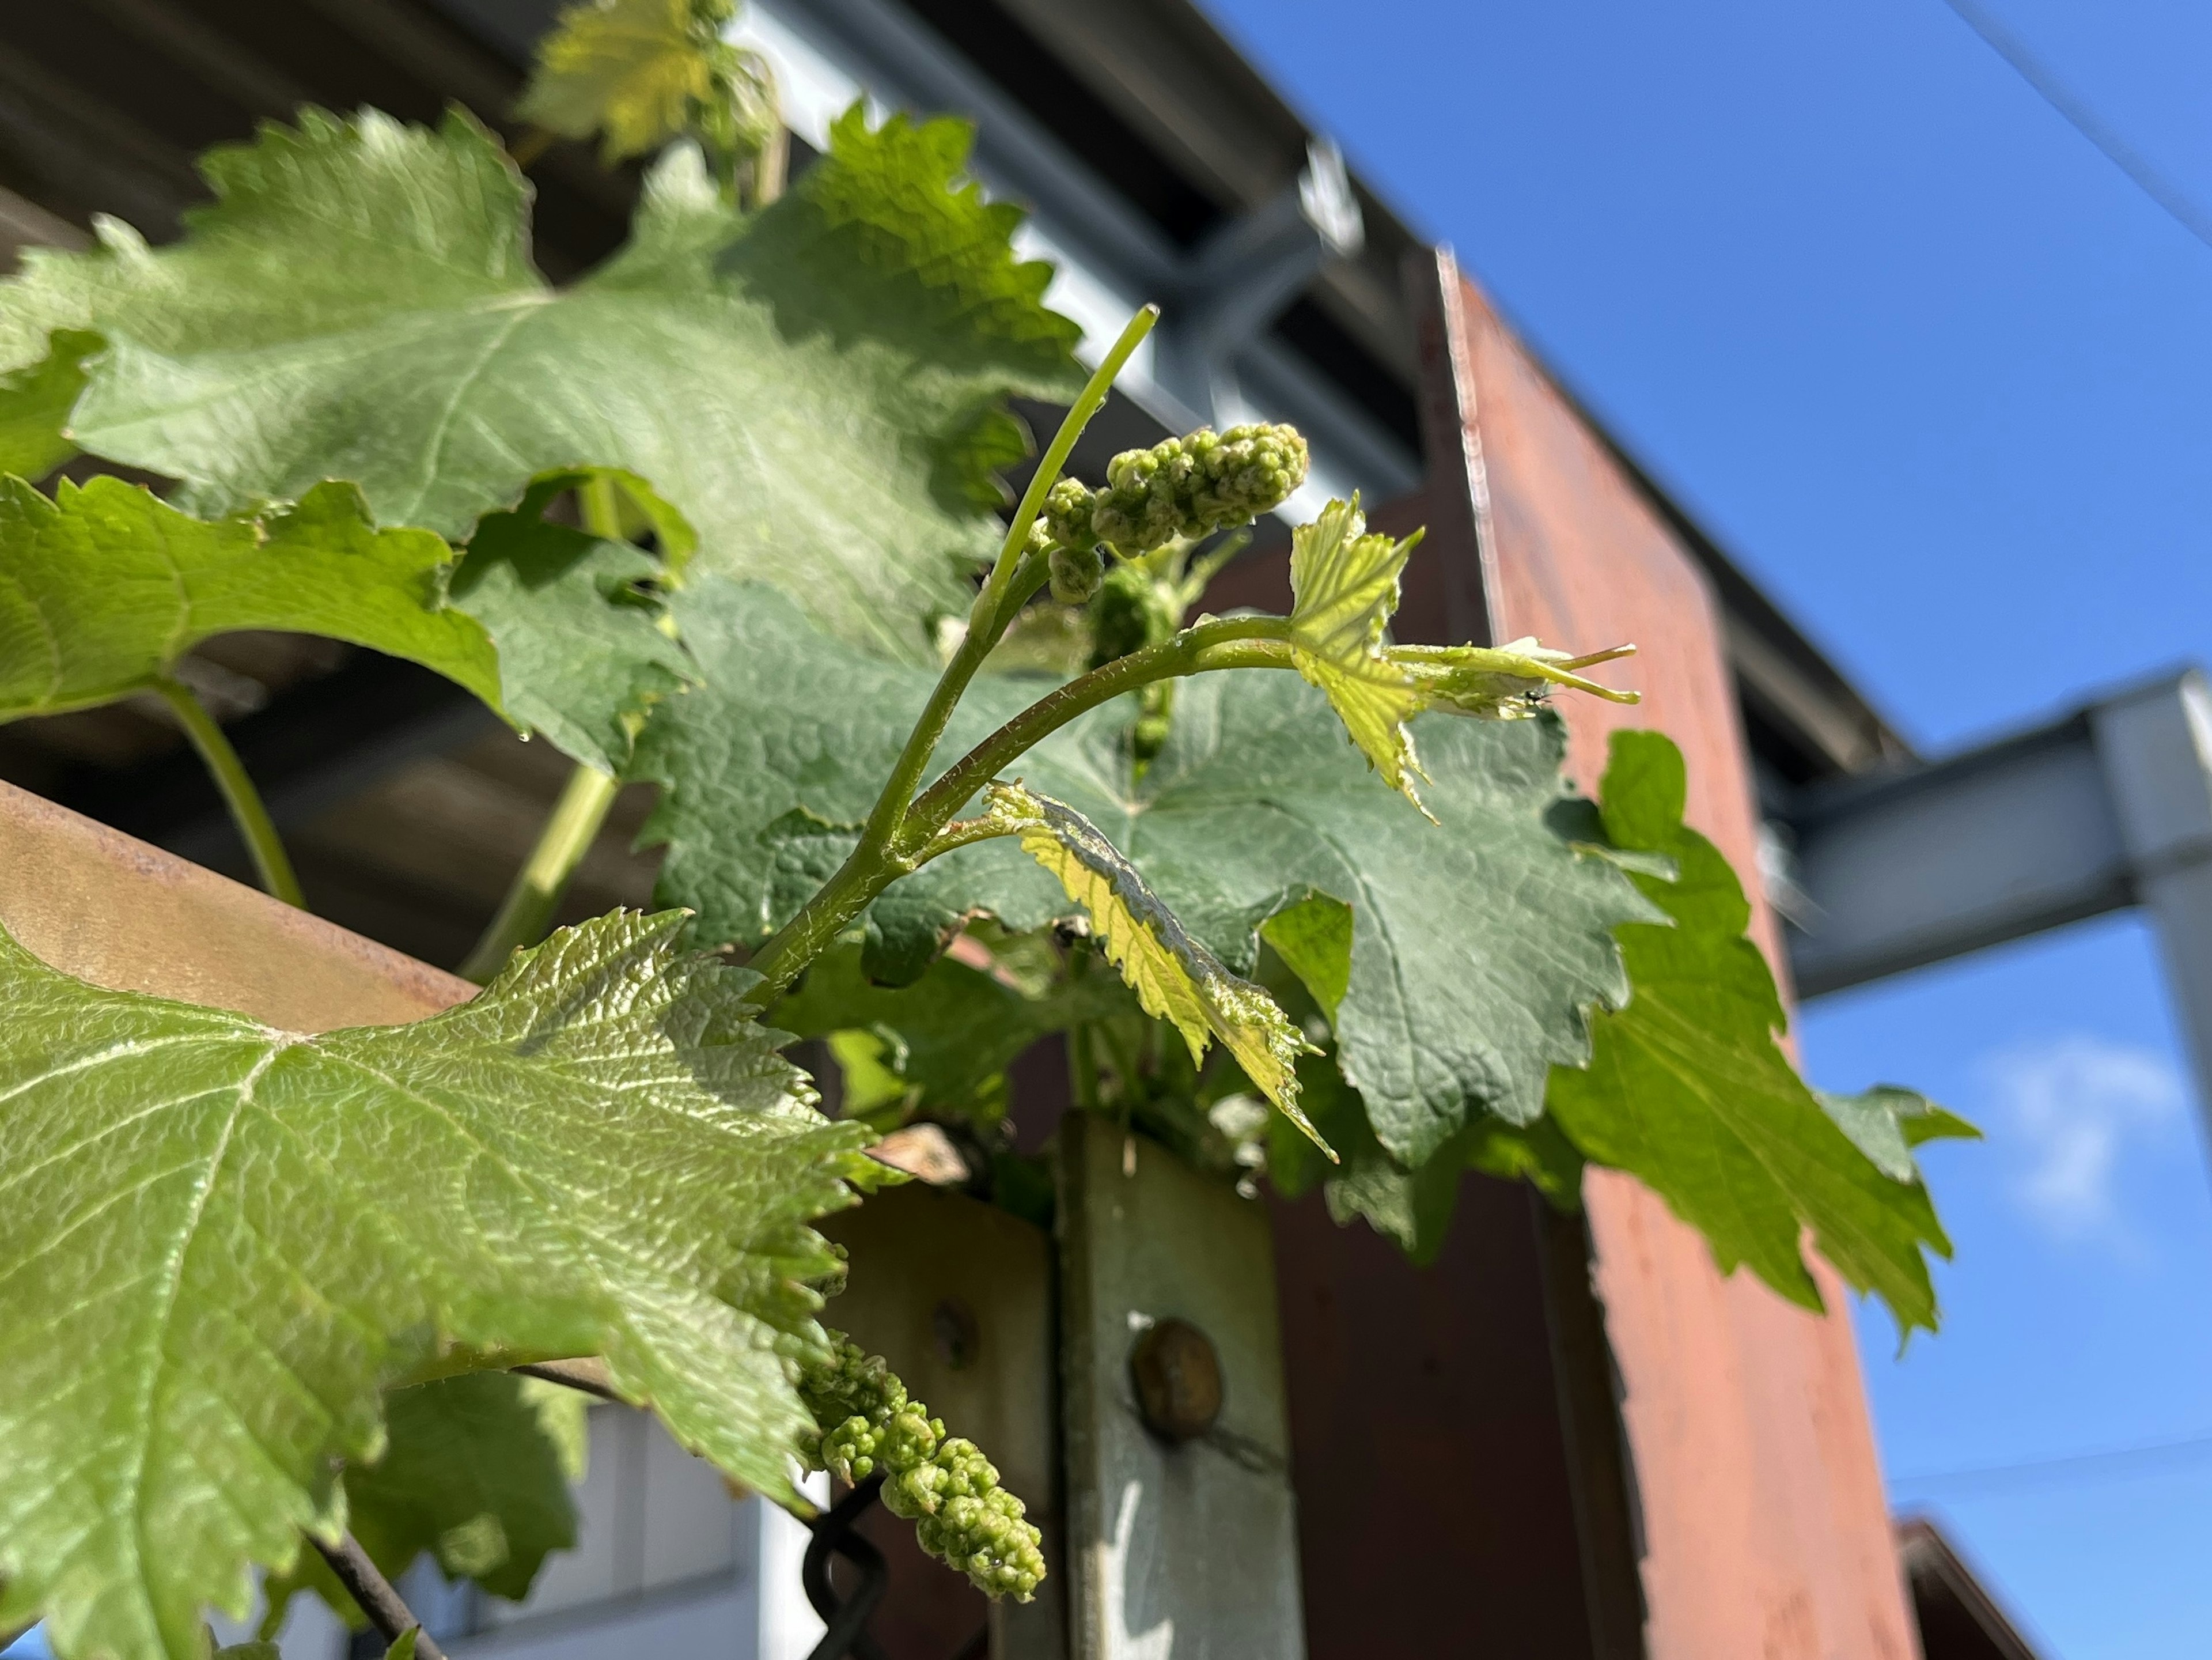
x,y
2069,1106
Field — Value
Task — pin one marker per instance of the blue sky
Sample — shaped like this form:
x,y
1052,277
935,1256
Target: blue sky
x,y
1942,378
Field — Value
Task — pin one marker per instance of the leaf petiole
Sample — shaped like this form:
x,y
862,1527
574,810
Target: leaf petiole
x,y
527,913
247,810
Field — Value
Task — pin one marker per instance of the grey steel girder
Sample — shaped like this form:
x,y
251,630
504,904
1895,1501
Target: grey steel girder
x,y
2109,807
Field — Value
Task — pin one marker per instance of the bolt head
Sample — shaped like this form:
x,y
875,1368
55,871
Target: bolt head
x,y
1178,1380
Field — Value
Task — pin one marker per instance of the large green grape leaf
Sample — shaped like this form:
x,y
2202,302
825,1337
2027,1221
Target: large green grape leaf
x,y
1688,1090
102,589
1478,944
817,387
477,1470
219,1241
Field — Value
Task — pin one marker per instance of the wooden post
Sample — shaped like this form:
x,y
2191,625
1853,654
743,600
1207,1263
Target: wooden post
x,y
1181,1530
957,1295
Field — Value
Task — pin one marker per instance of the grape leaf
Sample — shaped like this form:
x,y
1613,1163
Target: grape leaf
x,y
1888,1121
1346,584
104,586
769,768
35,400
582,652
1412,1208
1688,1090
632,67
1177,979
476,1470
1346,587
1477,945
220,1241
947,1039
817,387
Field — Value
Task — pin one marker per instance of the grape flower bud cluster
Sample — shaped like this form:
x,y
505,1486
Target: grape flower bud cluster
x,y
943,1484
1181,487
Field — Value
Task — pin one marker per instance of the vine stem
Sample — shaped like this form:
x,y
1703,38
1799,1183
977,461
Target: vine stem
x,y
527,910
247,810
988,617
876,862
926,830
373,1593
1245,642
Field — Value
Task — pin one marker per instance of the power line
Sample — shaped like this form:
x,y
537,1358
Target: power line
x,y
2085,120
2113,1462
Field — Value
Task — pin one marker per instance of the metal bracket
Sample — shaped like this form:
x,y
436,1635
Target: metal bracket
x,y
1243,275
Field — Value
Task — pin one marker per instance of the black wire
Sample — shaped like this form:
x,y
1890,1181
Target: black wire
x,y
2085,120
845,1620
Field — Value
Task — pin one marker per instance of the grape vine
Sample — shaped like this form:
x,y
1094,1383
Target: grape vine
x,y
1342,923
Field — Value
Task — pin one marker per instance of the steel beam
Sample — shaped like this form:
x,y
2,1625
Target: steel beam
x,y
2108,808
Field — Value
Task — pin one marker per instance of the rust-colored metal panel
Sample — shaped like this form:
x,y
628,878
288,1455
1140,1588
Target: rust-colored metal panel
x,y
1765,1528
1428,1446
94,903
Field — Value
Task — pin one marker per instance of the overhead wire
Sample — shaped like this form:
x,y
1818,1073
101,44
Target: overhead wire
x,y
2108,1463
2139,170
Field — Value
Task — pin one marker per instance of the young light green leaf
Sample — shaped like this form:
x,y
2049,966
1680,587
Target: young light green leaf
x,y
103,588
220,1241
403,1646
1346,584
1688,1090
1177,979
817,387
1478,947
1502,683
476,1470
1346,587
266,1651
631,68
585,649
